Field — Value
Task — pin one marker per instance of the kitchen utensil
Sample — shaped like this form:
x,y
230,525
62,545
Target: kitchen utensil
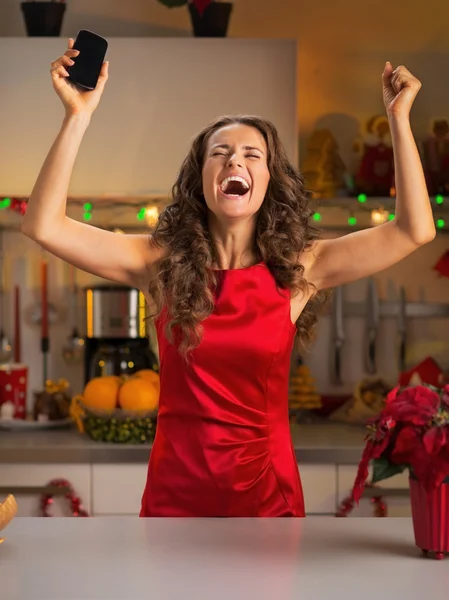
x,y
73,349
338,335
17,323
5,345
402,328
372,326
45,340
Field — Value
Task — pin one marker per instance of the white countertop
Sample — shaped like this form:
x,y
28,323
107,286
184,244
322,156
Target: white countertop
x,y
127,558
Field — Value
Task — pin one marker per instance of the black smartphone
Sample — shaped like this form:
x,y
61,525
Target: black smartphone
x,y
92,50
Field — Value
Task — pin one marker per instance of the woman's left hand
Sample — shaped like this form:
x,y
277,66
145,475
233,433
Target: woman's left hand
x,y
400,89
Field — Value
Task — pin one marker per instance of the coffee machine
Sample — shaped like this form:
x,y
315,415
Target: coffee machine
x,y
117,333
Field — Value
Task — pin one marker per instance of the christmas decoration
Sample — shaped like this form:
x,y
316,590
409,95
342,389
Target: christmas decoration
x,y
74,500
435,151
375,174
410,432
13,389
209,18
53,403
200,5
148,212
347,505
426,371
303,395
323,169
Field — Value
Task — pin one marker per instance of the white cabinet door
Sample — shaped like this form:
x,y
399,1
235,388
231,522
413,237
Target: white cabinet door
x,y
396,507
39,475
118,488
319,484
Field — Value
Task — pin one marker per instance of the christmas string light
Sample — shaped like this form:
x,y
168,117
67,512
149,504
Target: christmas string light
x,y
148,208
379,216
87,207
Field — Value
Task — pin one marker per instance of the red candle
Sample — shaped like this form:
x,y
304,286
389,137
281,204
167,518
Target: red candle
x,y
44,300
17,340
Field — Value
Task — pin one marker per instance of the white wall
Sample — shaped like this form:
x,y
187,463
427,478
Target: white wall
x,y
159,95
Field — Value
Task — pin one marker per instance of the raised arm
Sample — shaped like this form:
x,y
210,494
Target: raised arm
x,y
334,262
117,257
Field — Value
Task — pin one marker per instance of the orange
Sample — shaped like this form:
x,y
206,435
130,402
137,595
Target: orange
x,y
150,376
138,394
102,392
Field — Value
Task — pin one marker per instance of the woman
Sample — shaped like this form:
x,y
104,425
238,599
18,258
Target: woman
x,y
232,266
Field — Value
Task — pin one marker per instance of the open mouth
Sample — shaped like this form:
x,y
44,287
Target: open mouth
x,y
234,186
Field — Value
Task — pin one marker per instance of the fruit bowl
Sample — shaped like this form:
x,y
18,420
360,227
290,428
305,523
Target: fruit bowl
x,y
8,510
117,426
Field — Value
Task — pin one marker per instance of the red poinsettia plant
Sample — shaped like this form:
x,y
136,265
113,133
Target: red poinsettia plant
x,y
200,5
411,432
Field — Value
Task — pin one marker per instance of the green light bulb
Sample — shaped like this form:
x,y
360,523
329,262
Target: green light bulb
x,y
87,207
440,223
5,203
87,216
391,216
352,221
439,199
316,217
361,198
141,214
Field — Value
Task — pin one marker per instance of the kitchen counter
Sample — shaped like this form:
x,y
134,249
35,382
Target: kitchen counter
x,y
314,443
126,558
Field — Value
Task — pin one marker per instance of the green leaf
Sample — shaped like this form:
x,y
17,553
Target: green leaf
x,y
173,3
383,469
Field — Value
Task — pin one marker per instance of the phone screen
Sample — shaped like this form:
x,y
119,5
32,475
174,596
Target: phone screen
x,y
87,67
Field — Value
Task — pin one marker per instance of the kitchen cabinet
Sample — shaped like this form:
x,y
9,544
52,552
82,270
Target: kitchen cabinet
x,y
78,475
117,488
319,484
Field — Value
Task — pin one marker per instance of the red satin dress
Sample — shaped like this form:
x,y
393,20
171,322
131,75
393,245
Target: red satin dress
x,y
222,446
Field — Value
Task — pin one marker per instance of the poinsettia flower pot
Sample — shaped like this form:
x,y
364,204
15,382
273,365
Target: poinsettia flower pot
x,y
213,21
43,19
430,515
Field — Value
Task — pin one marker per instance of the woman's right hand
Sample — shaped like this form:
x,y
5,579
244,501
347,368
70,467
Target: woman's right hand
x,y
75,100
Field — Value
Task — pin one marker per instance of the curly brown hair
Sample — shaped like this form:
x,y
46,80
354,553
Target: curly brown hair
x,y
186,279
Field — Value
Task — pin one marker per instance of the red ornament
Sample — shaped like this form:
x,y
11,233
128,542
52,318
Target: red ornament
x,y
75,501
18,205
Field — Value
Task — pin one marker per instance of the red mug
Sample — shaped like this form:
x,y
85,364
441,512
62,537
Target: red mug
x,y
13,387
